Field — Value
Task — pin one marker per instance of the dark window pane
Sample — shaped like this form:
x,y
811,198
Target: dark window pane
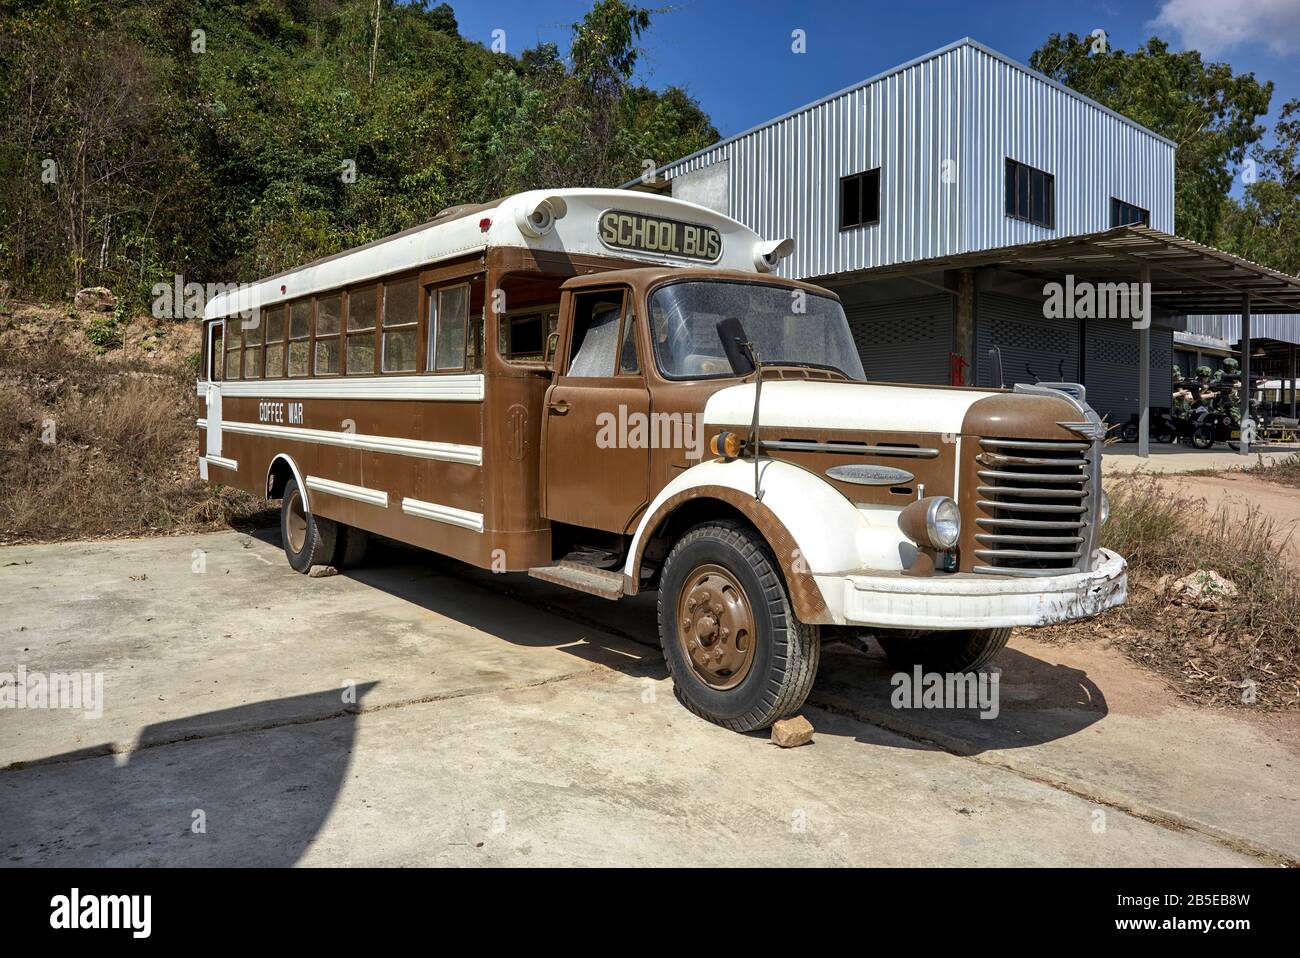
x,y
1011,188
1022,192
300,319
361,309
1038,214
850,201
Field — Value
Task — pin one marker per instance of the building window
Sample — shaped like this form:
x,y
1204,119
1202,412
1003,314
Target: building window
x,y
328,330
400,340
860,199
299,334
1031,195
362,319
274,342
1126,214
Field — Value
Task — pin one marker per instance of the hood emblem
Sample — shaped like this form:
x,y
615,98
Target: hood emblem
x,y
863,475
1089,430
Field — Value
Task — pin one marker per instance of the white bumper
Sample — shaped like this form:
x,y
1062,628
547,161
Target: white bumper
x,y
976,601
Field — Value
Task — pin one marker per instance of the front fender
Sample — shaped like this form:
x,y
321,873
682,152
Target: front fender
x,y
812,529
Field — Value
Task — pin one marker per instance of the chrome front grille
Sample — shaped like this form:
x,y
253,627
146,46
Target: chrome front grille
x,y
1034,506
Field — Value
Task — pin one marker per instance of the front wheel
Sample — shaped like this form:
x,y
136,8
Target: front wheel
x,y
737,654
966,650
1203,437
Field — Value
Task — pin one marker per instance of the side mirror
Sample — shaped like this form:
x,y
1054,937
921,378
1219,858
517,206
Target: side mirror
x,y
732,334
552,343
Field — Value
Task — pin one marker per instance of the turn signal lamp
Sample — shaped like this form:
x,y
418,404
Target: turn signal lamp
x,y
726,445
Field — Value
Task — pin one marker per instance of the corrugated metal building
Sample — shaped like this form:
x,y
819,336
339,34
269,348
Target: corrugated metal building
x,y
959,151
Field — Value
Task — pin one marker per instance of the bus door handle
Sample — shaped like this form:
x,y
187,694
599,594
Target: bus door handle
x,y
558,408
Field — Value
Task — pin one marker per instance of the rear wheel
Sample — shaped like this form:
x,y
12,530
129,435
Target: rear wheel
x,y
1129,432
351,547
967,650
737,654
1202,437
308,540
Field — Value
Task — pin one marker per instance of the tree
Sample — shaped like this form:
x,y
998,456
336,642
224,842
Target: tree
x,y
1209,111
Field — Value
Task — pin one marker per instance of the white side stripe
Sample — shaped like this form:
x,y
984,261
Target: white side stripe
x,y
456,517
230,464
465,387
374,497
420,449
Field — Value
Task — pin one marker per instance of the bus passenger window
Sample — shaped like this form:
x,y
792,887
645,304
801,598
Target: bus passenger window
x,y
232,348
274,318
361,331
328,309
447,322
400,326
595,333
299,331
252,326
217,357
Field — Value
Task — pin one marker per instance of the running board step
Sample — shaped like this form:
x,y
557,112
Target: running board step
x,y
606,583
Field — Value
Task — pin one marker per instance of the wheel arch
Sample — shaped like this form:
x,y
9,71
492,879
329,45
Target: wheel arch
x,y
278,474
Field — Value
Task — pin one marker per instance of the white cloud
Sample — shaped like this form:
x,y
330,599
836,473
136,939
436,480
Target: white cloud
x,y
1217,26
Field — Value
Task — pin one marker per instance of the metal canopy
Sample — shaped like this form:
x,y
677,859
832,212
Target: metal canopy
x,y
1186,277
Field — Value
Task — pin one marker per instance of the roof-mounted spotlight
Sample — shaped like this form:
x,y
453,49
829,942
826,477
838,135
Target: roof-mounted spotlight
x,y
537,219
769,253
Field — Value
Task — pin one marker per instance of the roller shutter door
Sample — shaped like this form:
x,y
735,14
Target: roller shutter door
x,y
1111,367
904,340
1027,338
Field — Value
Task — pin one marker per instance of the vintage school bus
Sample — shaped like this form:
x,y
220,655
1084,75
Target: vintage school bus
x,y
565,383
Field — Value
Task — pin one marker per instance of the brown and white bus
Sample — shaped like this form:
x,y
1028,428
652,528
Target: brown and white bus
x,y
613,392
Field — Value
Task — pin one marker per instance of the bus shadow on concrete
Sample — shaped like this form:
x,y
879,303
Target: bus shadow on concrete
x,y
514,608
1036,702
250,785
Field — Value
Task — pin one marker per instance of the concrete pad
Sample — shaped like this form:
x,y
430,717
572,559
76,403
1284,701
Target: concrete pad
x,y
600,769
1121,457
183,650
482,700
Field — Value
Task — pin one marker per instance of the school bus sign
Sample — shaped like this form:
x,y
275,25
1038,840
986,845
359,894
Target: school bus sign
x,y
659,236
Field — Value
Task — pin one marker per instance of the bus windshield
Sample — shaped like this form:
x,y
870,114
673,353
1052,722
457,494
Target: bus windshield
x,y
787,326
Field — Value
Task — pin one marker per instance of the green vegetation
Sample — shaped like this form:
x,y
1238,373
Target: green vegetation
x,y
228,139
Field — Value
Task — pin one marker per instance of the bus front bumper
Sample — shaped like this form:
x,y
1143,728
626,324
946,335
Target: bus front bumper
x,y
978,601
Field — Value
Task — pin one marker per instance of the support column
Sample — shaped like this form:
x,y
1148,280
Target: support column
x,y
1144,369
1293,371
1243,447
964,334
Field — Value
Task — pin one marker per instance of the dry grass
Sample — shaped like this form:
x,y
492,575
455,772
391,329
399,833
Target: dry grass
x,y
100,445
1208,656
1284,472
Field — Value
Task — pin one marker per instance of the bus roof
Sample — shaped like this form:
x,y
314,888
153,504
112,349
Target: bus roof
x,y
629,225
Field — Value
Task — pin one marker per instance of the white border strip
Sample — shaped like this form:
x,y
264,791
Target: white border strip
x,y
201,423
230,464
418,448
467,387
456,517
373,497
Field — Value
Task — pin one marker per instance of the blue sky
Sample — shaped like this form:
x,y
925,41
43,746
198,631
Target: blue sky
x,y
736,58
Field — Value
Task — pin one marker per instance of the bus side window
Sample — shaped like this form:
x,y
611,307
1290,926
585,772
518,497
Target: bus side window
x,y
595,347
399,340
448,317
299,333
216,354
232,343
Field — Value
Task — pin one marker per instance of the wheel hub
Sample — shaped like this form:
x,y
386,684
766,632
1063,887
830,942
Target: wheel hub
x,y
296,526
715,626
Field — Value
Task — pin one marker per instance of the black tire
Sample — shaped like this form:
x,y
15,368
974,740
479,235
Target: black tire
x,y
1164,436
785,651
1128,432
351,547
1202,437
967,650
308,540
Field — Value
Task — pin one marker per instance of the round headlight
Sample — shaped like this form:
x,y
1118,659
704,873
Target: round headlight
x,y
1104,512
943,523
